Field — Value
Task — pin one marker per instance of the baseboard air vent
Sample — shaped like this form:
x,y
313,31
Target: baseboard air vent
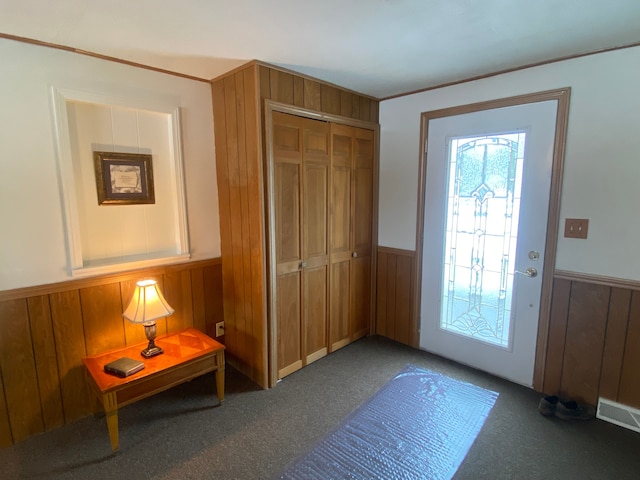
x,y
618,414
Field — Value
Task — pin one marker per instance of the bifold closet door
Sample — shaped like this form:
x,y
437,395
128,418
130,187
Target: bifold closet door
x,y
361,232
340,234
315,249
350,246
300,202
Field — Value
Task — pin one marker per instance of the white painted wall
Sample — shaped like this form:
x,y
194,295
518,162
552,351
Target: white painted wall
x,y
32,234
602,163
112,232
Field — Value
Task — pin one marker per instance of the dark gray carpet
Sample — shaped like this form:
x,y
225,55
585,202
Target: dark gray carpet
x,y
182,434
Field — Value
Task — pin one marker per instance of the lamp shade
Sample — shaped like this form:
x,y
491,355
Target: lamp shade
x,y
147,303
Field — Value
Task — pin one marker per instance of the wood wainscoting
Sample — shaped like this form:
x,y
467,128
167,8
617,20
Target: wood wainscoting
x,y
46,330
594,335
593,347
395,285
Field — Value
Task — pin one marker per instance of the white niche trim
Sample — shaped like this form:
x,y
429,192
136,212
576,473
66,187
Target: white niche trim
x,y
170,201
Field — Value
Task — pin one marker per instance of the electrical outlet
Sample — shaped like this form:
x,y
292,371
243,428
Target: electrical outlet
x,y
576,227
219,329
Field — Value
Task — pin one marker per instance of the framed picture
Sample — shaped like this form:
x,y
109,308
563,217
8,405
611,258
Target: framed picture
x,y
124,178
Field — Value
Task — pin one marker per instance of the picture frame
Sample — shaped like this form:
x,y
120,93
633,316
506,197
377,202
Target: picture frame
x,y
124,178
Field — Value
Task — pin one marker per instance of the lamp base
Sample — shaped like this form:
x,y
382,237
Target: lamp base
x,y
151,351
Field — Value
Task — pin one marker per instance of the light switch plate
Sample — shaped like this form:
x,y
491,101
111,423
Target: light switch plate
x,y
576,227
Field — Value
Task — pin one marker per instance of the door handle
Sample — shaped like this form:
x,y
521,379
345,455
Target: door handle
x,y
303,265
354,254
529,272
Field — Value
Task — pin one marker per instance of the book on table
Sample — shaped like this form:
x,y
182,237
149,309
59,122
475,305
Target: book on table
x,y
123,367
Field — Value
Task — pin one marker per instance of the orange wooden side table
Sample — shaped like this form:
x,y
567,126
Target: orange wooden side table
x,y
187,355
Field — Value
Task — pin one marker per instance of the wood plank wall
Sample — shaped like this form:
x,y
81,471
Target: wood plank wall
x,y
238,151
286,87
594,335
46,330
238,104
394,302
594,330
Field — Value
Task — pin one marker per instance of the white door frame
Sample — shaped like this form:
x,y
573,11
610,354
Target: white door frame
x,y
562,96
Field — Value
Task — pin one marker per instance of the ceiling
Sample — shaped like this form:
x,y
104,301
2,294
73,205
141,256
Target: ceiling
x,y
377,47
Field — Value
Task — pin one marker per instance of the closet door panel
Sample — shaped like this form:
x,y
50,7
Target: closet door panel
x,y
362,229
315,253
287,214
341,211
315,197
340,234
315,281
363,212
289,324
363,191
287,175
286,135
340,305
360,297
315,211
341,160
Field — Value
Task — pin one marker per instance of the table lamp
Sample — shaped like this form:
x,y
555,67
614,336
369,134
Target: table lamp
x,y
146,306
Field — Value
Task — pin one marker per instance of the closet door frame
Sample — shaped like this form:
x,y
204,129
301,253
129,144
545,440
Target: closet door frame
x,y
271,106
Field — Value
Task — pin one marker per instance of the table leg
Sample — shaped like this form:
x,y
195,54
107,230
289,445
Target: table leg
x,y
110,404
220,375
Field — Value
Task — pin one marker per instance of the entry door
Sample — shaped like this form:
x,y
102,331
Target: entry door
x,y
488,177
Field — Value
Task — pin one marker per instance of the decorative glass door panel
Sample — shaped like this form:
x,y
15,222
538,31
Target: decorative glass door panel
x,y
484,186
487,184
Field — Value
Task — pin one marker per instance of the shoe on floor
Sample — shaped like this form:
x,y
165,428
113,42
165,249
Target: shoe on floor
x,y
571,410
547,405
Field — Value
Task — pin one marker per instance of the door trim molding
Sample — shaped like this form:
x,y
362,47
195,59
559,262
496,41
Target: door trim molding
x,y
562,96
273,106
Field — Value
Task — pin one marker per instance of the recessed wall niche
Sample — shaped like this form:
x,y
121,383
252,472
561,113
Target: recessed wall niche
x,y
114,237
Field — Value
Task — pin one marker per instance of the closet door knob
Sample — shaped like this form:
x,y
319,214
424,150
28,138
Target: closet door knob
x,y
303,264
354,254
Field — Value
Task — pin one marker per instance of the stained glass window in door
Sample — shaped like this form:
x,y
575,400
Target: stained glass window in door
x,y
483,202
